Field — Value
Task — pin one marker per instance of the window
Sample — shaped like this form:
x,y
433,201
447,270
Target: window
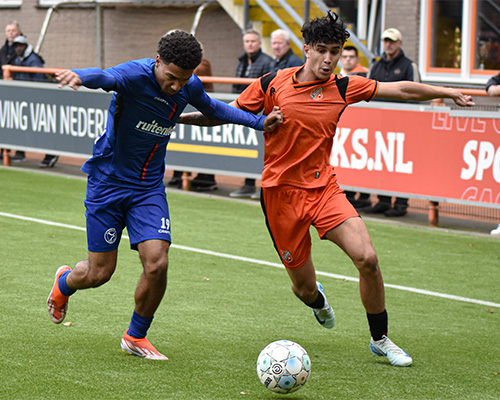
x,y
460,40
446,34
486,29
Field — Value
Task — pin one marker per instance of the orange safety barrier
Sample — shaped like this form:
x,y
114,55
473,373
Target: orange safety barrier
x,y
8,69
474,92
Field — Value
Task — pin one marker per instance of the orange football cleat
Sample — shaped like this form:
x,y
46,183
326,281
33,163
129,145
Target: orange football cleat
x,y
57,303
140,347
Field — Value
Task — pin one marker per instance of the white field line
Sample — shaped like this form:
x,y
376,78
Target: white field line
x,y
271,264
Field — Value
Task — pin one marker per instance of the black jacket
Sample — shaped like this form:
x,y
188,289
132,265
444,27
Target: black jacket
x,y
7,55
290,59
261,65
495,80
399,68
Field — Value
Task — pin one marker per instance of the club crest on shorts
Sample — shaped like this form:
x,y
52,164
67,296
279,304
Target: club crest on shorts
x,y
286,256
110,236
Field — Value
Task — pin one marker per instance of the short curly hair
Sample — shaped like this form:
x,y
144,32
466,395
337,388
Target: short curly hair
x,y
180,48
328,29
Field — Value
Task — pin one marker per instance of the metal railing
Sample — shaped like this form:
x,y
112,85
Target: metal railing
x,y
8,69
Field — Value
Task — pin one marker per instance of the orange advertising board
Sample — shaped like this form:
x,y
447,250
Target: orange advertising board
x,y
429,154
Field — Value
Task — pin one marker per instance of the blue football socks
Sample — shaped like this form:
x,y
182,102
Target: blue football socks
x,y
63,287
139,326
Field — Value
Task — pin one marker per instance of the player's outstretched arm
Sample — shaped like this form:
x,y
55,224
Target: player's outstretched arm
x,y
197,118
272,121
68,77
406,90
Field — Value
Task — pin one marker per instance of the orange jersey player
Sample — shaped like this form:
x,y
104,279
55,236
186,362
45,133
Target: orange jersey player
x,y
299,187
297,153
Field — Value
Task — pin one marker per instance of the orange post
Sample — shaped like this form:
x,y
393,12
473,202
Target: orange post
x,y
6,158
186,180
433,213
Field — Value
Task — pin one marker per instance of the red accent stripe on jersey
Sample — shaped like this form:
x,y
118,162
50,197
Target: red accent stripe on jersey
x,y
144,169
173,111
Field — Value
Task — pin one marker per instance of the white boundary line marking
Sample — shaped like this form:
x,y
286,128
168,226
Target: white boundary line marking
x,y
271,264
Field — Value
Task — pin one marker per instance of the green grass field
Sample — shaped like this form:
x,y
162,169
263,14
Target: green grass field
x,y
227,298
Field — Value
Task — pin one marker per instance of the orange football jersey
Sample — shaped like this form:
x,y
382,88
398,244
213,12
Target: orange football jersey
x,y
298,152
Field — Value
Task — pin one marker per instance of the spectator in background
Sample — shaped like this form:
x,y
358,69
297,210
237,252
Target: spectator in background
x,y
493,86
352,66
252,64
393,66
350,62
202,182
7,52
27,57
493,89
284,57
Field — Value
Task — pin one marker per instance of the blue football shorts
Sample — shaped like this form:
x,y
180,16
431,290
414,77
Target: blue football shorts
x,y
111,208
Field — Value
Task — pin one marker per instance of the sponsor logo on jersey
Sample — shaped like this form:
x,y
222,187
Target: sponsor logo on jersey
x,y
154,128
160,99
286,256
317,93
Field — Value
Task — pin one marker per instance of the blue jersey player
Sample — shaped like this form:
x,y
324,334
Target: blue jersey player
x,y
125,174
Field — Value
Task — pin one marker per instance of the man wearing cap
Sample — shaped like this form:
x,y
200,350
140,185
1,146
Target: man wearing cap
x,y
393,66
27,57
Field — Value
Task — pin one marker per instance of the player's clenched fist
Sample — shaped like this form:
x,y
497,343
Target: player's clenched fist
x,y
273,119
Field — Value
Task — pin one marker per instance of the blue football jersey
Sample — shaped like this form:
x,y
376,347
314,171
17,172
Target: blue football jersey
x,y
141,118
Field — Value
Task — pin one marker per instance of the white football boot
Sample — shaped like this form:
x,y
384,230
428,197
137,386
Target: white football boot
x,y
325,316
396,355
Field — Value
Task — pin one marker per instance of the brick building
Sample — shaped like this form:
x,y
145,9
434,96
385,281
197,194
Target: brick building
x,y
131,29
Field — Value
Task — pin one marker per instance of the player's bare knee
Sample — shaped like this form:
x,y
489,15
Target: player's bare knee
x,y
156,270
367,263
98,273
99,276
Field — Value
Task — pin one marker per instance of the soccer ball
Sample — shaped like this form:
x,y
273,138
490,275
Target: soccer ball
x,y
283,366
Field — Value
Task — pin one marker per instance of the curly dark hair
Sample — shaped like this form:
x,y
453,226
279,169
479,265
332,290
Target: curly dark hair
x,y
328,29
181,48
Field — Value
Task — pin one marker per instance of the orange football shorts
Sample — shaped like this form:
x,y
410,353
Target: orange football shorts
x,y
290,211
